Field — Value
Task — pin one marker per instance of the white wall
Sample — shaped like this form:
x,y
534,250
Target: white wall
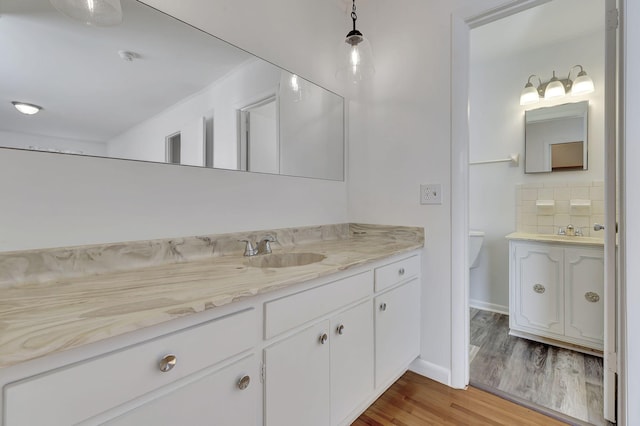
x,y
496,122
56,200
400,137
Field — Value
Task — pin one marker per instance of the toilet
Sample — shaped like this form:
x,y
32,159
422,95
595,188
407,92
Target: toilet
x,y
475,244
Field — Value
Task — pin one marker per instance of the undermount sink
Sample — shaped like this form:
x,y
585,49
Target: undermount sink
x,y
284,260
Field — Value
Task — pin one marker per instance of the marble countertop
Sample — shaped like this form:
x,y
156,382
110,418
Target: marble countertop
x,y
552,238
40,316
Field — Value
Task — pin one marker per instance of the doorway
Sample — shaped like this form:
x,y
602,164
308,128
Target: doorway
x,y
489,179
259,140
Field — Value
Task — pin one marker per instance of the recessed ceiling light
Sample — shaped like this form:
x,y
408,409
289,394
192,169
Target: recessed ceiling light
x,y
25,108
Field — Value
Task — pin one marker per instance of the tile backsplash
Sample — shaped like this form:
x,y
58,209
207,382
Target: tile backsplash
x,y
569,206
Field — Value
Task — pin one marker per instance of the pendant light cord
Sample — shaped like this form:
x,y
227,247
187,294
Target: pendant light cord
x,y
353,15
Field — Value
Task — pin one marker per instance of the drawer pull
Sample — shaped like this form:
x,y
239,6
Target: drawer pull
x,y
167,363
324,338
592,297
401,271
340,329
243,383
539,288
383,306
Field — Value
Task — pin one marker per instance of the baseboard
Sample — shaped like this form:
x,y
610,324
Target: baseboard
x,y
432,371
485,306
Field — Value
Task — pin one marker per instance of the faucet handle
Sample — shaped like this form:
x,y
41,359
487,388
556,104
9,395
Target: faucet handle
x,y
264,246
249,249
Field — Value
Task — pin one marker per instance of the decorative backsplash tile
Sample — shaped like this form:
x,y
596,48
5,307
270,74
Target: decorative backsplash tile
x,y
580,204
39,266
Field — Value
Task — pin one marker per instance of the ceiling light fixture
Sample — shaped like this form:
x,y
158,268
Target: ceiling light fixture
x,y
356,63
25,108
101,13
556,88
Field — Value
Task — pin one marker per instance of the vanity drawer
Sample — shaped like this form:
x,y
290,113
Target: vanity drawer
x,y
76,392
396,272
291,311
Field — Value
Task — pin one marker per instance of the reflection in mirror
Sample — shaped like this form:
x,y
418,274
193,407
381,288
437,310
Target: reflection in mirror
x,y
556,138
156,89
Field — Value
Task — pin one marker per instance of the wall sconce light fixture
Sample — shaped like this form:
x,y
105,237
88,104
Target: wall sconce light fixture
x,y
101,13
556,87
356,63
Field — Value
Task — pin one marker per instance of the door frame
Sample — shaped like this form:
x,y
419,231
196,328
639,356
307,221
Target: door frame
x,y
460,70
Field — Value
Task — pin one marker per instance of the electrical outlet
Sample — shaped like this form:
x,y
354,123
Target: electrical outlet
x,y
431,193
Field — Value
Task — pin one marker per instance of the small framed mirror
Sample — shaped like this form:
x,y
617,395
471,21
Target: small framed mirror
x,y
556,138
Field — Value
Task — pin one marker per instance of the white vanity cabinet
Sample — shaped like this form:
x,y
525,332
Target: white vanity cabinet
x,y
228,396
328,372
106,386
317,353
397,317
320,374
297,381
556,293
397,324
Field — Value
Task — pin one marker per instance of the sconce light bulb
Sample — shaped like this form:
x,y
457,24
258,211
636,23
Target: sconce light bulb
x,y
582,85
529,95
555,88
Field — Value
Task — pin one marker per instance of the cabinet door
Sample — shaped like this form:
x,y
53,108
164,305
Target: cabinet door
x,y
584,290
297,379
397,331
537,285
351,360
216,398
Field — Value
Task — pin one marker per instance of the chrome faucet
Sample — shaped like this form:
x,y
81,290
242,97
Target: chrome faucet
x,y
570,231
262,247
250,249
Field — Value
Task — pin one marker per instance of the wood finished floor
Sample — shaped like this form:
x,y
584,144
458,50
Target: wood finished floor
x,y
559,379
417,401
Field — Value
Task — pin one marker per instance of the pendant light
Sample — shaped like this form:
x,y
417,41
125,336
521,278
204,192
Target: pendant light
x,y
356,62
101,13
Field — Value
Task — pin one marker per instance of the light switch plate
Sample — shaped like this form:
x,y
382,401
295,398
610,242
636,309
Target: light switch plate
x,y
431,193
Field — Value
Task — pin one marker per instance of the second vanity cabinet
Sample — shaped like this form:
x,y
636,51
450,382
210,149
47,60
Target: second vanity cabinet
x,y
556,292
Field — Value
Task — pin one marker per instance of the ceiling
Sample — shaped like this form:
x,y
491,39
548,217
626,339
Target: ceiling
x,y
74,71
552,22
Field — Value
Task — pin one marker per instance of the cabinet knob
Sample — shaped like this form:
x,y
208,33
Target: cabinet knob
x,y
592,297
383,306
167,363
323,338
243,383
340,329
539,288
401,271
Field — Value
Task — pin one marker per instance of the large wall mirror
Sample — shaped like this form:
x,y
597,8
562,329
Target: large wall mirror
x,y
556,138
156,89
